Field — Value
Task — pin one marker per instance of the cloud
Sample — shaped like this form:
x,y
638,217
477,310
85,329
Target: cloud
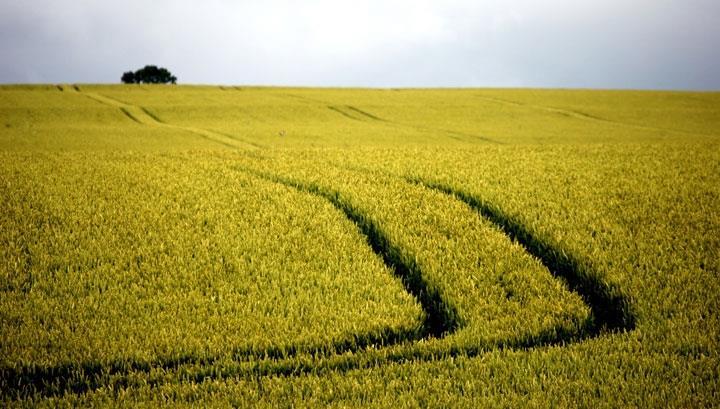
x,y
555,43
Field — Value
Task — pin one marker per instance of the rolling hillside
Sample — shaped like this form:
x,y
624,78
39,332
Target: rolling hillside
x,y
240,246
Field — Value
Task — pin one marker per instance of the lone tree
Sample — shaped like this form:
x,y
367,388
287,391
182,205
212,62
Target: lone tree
x,y
150,74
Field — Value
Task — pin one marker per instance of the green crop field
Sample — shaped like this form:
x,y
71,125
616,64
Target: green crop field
x,y
298,247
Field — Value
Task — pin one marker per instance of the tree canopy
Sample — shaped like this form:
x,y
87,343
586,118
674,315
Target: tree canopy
x,y
150,74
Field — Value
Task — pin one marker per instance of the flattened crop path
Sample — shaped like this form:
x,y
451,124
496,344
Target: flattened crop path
x,y
143,116
610,308
581,115
610,311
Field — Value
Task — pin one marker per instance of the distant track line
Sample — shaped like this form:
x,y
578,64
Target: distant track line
x,y
144,116
343,110
585,116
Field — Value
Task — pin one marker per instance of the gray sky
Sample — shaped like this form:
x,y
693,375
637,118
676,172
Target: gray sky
x,y
665,44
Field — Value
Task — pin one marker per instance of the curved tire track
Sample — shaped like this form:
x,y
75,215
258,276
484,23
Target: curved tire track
x,y
610,309
143,116
441,316
440,319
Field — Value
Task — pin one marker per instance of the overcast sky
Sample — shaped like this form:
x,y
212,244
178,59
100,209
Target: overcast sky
x,y
665,44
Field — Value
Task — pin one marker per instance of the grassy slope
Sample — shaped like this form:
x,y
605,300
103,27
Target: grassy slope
x,y
625,183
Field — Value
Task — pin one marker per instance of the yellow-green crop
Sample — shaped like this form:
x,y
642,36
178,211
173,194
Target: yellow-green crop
x,y
239,246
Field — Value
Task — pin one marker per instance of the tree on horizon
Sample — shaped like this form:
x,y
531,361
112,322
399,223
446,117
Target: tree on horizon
x,y
150,74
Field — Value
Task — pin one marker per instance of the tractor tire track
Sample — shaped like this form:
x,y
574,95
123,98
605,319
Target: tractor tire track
x,y
441,317
438,321
364,113
583,116
144,116
130,115
610,309
343,113
357,114
25,381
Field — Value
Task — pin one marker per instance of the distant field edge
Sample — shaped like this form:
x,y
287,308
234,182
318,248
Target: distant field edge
x,y
240,87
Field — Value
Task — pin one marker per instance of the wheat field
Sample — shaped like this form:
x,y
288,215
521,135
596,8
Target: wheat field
x,y
265,247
